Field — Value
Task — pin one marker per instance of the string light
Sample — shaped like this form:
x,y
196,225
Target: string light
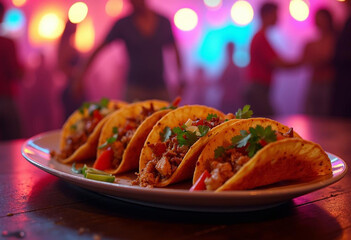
x,y
185,19
19,3
77,12
50,26
242,12
299,10
85,36
213,3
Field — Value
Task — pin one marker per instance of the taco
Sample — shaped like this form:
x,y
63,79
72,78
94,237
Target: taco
x,y
80,132
171,149
124,134
257,152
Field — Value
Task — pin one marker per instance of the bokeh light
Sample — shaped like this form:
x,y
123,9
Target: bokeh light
x,y
77,12
114,8
185,19
50,26
242,13
18,3
85,36
214,4
14,20
299,10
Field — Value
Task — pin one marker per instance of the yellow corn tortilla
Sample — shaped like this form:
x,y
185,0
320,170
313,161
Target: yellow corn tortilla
x,y
176,118
88,149
130,158
287,159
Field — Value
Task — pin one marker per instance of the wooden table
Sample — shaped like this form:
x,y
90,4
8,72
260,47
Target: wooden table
x,y
45,207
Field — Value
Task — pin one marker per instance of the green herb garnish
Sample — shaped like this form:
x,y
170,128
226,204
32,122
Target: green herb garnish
x,y
203,129
73,169
245,113
210,116
219,151
168,107
110,140
166,134
251,139
92,173
185,137
94,106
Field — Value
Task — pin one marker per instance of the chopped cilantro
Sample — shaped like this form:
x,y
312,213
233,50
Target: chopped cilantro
x,y
73,127
111,139
210,116
219,152
251,139
168,107
165,134
93,106
203,130
245,113
104,102
185,137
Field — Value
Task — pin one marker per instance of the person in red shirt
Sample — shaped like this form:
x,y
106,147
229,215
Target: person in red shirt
x,y
263,62
10,71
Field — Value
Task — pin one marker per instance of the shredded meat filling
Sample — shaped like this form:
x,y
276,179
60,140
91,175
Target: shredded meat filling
x,y
225,167
77,138
126,133
167,156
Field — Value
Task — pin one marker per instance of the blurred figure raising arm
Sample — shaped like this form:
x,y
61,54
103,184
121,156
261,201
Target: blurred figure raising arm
x,y
145,33
263,62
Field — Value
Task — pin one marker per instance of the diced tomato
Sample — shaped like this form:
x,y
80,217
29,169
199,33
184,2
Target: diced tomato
x,y
200,183
176,101
128,127
97,115
279,136
105,160
198,123
262,142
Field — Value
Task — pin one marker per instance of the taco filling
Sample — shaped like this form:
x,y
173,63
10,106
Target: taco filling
x,y
230,159
122,136
168,154
91,115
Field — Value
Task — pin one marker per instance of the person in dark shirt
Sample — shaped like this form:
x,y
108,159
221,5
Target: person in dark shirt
x,y
264,60
341,97
10,71
144,33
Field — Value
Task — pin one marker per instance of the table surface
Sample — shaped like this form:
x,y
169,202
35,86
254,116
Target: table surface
x,y
41,206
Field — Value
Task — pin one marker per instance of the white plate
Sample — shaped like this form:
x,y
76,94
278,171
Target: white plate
x,y
36,151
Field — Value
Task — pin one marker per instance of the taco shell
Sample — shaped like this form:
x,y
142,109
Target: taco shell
x,y
130,157
287,159
88,149
176,118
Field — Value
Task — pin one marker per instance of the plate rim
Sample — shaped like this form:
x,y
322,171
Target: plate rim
x,y
171,192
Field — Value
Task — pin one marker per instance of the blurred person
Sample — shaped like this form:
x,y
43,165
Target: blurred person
x,y
10,72
341,97
39,97
264,60
144,33
318,54
230,82
68,62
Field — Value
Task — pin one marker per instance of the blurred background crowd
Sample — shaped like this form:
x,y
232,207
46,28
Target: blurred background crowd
x,y
281,57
